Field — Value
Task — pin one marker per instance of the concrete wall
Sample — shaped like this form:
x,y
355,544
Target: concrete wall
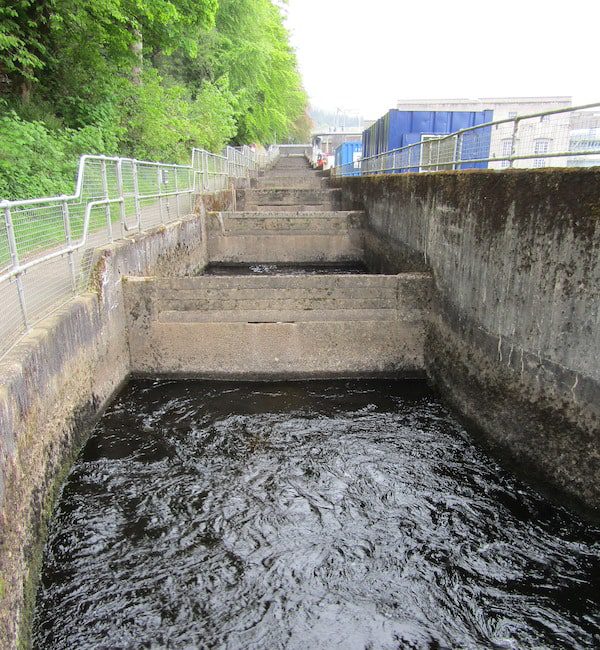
x,y
53,386
515,343
284,237
277,326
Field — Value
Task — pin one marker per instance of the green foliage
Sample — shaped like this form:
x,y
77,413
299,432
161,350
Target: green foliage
x,y
262,69
38,161
146,78
22,27
165,122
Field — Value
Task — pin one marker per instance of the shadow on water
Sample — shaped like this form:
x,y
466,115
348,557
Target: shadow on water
x,y
266,268
339,514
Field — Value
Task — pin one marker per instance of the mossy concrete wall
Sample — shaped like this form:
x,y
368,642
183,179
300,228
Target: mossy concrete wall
x,y
515,340
53,386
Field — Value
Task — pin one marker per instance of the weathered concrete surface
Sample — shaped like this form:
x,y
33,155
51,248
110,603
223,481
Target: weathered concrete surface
x,y
294,151
515,343
53,385
295,200
309,180
277,326
235,237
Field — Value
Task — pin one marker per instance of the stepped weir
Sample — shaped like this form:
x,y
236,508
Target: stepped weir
x,y
263,325
366,489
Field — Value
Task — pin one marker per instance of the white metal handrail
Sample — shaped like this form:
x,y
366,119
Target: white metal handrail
x,y
443,152
46,242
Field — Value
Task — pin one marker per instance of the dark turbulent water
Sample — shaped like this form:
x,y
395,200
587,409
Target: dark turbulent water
x,y
284,269
354,514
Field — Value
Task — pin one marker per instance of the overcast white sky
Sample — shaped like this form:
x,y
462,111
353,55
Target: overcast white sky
x,y
364,55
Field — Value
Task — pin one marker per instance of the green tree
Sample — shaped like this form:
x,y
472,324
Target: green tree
x,y
149,78
262,69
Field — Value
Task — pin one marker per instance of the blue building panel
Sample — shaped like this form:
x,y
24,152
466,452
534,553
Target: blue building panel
x,y
398,129
346,153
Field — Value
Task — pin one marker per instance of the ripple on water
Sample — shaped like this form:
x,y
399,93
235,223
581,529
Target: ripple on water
x,y
349,514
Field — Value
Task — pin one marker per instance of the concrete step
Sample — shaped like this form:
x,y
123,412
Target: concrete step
x,y
270,296
249,199
283,222
285,234
291,182
282,293
290,208
274,303
292,163
271,326
165,286
279,316
292,172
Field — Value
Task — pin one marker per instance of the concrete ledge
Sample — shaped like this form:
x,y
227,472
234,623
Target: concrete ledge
x,y
268,326
236,237
274,350
261,199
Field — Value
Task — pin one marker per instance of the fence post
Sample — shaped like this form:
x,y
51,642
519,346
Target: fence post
x,y
457,151
105,196
176,184
204,171
121,195
164,174
136,195
160,206
67,226
14,256
513,142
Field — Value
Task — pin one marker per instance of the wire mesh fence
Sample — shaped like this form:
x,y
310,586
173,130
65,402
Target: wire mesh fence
x,y
567,137
47,244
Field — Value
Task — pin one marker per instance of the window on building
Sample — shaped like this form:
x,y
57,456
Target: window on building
x,y
541,145
505,152
512,115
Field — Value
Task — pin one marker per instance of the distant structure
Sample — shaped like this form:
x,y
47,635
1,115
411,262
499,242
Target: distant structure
x,y
503,107
339,120
533,137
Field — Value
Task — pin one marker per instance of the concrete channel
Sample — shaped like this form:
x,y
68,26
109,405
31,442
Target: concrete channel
x,y
485,283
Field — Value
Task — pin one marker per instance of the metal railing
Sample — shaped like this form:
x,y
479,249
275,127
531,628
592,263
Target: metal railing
x,y
565,137
46,244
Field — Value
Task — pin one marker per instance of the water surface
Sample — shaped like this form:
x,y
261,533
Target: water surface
x,y
258,268
306,515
